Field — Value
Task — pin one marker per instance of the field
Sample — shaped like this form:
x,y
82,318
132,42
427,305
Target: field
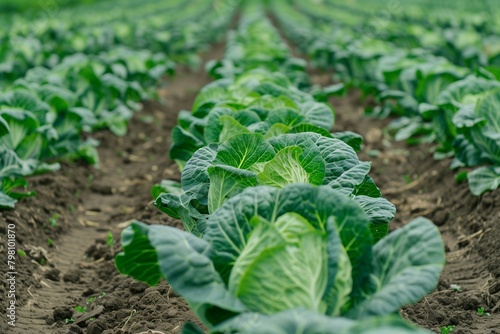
x,y
263,167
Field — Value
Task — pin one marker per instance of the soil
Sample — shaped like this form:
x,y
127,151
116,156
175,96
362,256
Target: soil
x,y
78,270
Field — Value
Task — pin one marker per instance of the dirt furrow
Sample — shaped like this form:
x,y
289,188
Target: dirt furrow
x,y
68,258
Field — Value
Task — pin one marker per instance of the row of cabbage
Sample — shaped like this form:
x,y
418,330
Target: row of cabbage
x,y
476,15
437,100
63,83
285,232
461,45
175,28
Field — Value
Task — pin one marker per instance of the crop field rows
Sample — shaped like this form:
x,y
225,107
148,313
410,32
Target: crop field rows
x,y
285,166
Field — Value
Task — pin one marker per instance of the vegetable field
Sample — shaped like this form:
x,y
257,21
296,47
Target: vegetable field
x,y
253,167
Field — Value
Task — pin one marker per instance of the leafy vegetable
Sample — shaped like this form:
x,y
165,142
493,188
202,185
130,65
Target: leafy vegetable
x,y
269,250
218,172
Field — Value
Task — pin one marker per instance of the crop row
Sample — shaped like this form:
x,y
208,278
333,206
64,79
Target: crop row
x,y
172,28
477,15
461,45
436,100
76,82
285,230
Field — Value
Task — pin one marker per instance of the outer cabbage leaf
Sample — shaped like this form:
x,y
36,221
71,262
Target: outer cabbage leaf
x,y
300,321
406,265
481,125
484,179
152,252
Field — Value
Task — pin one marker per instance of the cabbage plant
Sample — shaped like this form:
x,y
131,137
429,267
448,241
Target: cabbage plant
x,y
479,140
257,101
272,250
216,173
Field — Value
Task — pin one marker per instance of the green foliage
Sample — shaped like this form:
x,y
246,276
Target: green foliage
x,y
7,6
53,220
218,172
22,253
481,312
284,229
440,79
447,329
110,240
81,309
63,77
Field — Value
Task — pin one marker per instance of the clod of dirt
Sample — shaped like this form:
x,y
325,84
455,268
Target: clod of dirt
x,y
138,287
472,303
151,298
53,275
99,250
494,288
102,189
113,303
74,329
96,327
466,318
72,276
172,312
62,313
142,326
441,217
374,135
89,292
445,300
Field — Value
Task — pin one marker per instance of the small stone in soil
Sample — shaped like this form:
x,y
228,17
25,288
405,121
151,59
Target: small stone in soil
x,y
62,313
72,276
53,275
